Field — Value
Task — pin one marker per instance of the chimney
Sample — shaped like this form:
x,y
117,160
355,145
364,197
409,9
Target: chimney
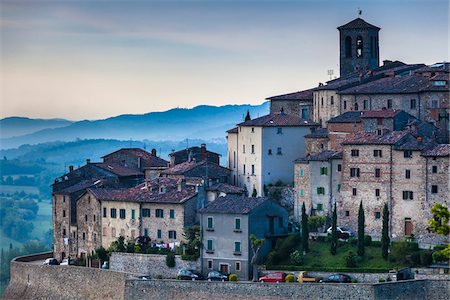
x,y
154,152
419,139
247,117
71,168
203,153
181,184
88,161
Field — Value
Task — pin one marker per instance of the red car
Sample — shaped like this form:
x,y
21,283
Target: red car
x,y
273,277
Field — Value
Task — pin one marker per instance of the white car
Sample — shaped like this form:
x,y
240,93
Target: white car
x,y
67,262
342,233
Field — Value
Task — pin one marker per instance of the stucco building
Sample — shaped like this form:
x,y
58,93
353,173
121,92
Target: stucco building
x,y
262,151
227,224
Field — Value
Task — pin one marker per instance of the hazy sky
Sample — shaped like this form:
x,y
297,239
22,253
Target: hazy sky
x,y
95,59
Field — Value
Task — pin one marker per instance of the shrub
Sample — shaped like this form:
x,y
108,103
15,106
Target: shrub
x,y
438,256
367,240
376,244
354,280
439,247
283,249
290,278
426,258
321,238
296,258
158,277
189,257
350,260
415,258
315,222
233,277
381,280
170,260
353,241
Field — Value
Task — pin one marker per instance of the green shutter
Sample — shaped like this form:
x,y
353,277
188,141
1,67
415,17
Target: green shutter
x,y
210,244
133,214
237,224
172,213
237,246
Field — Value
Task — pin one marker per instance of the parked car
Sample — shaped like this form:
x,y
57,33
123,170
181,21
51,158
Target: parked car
x,y
217,276
273,277
342,233
303,277
338,278
67,262
105,265
51,262
145,277
186,274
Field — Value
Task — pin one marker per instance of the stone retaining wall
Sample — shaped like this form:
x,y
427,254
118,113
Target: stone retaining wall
x,y
173,289
149,264
360,277
32,280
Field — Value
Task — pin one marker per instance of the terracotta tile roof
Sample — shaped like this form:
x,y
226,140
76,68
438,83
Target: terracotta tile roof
x,y
197,169
438,67
279,119
406,84
233,130
226,188
357,78
357,24
149,193
347,117
194,150
383,113
118,169
440,150
368,138
321,156
414,143
233,204
301,95
82,185
318,133
147,159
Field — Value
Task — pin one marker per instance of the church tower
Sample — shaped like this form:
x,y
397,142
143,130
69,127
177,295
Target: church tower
x,y
359,50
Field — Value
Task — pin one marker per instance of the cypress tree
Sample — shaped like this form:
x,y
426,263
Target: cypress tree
x,y
305,229
385,240
333,232
361,226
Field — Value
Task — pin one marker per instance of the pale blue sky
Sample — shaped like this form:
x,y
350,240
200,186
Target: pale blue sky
x,y
94,59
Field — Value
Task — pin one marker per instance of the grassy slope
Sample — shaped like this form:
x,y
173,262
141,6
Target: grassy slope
x,y
42,224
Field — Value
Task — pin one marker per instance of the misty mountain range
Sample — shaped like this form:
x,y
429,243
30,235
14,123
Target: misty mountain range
x,y
201,122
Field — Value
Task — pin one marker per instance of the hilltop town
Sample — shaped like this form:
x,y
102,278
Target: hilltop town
x,y
376,138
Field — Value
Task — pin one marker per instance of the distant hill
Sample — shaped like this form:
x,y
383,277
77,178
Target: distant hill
x,y
16,126
201,122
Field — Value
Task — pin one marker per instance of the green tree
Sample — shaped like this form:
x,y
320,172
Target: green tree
x,y
305,229
256,247
440,221
334,238
193,237
170,259
102,253
361,225
385,240
315,222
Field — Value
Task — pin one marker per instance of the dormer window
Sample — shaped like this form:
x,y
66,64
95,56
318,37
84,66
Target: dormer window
x,y
162,189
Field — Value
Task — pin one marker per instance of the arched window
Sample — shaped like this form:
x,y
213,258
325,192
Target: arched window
x,y
359,46
348,47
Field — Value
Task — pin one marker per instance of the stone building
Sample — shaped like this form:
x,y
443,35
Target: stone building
x,y
317,183
392,168
136,158
65,235
262,151
160,209
202,171
197,154
298,104
227,224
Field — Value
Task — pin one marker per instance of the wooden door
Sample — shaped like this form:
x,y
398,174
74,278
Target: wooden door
x,y
224,269
408,226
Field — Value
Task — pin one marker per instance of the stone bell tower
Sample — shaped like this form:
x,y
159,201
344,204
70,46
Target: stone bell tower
x,y
359,49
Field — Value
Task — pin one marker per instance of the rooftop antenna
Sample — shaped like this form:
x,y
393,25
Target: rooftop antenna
x,y
330,73
359,12
187,143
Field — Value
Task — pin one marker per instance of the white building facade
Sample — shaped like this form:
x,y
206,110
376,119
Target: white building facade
x,y
262,151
